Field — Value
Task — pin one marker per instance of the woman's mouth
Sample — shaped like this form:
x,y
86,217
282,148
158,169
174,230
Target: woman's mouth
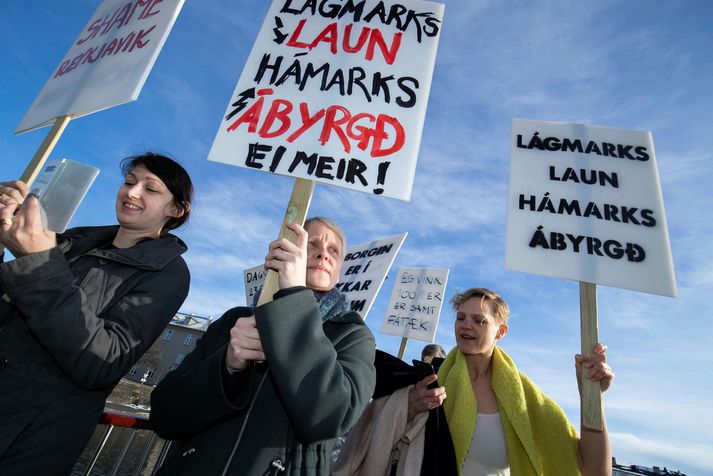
x,y
130,206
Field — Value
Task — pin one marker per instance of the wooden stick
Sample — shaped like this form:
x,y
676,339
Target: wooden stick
x,y
402,349
296,213
38,161
591,391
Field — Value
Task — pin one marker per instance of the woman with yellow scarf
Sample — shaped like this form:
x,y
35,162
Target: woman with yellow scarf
x,y
500,422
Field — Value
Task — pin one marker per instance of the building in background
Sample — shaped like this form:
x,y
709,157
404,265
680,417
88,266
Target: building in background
x,y
638,470
169,350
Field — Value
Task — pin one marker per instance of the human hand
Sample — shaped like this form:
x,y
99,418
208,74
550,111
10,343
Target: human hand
x,y
21,231
422,399
244,346
13,192
289,259
598,370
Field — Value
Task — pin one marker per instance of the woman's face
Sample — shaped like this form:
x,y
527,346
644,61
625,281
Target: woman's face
x,y
476,328
324,257
143,203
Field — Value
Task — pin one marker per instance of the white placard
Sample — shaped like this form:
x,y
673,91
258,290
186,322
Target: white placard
x,y
335,93
253,278
108,63
363,272
585,204
415,305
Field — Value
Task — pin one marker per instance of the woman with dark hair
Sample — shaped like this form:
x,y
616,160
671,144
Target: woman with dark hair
x,y
78,309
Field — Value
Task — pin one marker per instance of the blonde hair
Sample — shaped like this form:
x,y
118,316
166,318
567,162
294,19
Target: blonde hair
x,y
328,222
498,306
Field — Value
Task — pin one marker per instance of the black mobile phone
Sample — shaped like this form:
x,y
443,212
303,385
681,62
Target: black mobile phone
x,y
423,369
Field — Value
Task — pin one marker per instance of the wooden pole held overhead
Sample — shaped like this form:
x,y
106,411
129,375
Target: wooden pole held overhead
x,y
38,161
297,209
591,391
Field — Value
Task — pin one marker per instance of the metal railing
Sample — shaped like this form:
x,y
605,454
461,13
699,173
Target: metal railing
x,y
122,445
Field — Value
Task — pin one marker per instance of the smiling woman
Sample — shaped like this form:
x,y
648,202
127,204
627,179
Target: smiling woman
x,y
80,308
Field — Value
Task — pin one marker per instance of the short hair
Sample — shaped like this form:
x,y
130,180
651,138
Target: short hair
x,y
498,306
173,175
431,350
328,222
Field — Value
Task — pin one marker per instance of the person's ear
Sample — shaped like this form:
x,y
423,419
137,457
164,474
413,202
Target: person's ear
x,y
502,330
178,211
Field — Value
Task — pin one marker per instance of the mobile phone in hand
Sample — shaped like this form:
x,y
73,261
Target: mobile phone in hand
x,y
424,369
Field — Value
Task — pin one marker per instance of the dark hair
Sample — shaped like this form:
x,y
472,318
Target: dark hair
x,y
173,175
430,350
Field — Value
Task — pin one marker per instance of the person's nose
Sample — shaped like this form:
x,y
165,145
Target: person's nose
x,y
134,191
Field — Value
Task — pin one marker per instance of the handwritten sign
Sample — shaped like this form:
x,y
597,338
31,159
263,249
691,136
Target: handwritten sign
x,y
585,204
108,63
363,272
415,305
335,93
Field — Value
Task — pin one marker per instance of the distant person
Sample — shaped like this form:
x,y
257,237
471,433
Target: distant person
x,y
267,390
500,422
432,350
78,309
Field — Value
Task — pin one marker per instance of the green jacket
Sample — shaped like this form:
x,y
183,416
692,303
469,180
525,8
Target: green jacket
x,y
279,417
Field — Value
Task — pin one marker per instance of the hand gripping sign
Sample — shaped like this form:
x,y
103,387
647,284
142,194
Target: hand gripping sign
x,y
334,93
585,204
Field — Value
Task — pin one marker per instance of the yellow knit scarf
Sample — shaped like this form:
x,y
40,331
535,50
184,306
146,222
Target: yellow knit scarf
x,y
539,438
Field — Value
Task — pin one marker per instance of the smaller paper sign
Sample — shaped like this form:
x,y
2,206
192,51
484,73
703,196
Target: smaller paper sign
x,y
254,278
363,272
415,305
108,63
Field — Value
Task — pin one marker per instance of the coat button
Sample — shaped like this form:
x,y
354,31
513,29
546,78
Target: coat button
x,y
3,361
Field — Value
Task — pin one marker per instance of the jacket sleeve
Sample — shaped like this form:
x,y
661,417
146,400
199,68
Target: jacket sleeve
x,y
325,382
95,352
200,378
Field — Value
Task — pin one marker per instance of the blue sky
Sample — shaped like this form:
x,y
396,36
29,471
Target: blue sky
x,y
634,65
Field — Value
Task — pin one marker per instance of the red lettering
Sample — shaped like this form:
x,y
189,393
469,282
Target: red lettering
x,y
148,11
251,116
328,35
276,113
306,121
380,134
293,39
360,42
389,54
333,124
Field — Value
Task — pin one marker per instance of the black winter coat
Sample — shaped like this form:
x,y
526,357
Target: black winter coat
x,y
73,320
281,417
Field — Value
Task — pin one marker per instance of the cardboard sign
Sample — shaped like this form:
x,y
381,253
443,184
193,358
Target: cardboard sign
x,y
335,93
363,272
108,63
585,204
415,305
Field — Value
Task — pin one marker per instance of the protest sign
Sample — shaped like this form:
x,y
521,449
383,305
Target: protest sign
x,y
254,278
363,272
335,93
585,204
107,64
415,305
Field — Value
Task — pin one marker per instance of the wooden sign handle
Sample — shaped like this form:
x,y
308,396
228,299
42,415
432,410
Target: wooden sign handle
x,y
402,349
38,161
591,391
296,213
